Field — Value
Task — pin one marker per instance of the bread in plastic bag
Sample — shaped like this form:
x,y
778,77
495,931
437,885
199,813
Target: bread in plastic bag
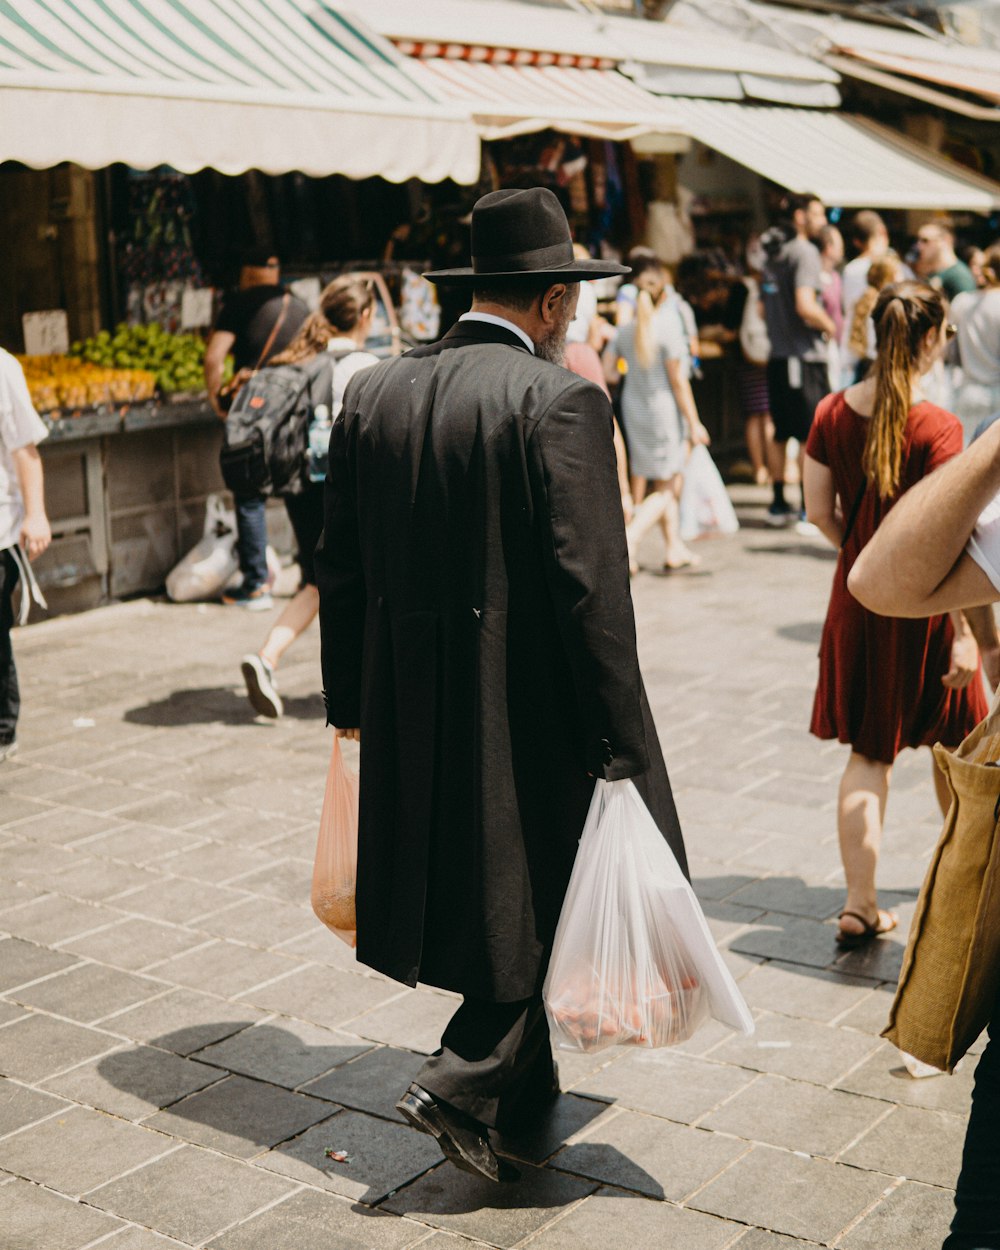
x,y
633,961
335,870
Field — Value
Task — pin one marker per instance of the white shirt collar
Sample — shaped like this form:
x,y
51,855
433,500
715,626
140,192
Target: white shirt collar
x,y
500,321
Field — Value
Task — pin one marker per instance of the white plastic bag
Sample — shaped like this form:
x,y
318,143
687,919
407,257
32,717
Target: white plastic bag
x,y
206,569
633,962
705,504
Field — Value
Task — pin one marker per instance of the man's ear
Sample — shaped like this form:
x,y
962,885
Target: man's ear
x,y
552,301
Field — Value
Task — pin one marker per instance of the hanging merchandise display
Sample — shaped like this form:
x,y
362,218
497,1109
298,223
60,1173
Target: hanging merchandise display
x,y
158,262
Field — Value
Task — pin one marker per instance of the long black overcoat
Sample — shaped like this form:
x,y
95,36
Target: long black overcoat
x,y
477,626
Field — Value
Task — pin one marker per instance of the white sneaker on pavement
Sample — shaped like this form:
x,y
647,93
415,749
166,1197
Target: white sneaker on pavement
x,y
261,689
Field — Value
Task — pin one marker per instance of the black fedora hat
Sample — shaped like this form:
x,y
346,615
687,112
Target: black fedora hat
x,y
523,234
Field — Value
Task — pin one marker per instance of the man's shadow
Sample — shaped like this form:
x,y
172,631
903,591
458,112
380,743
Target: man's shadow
x,y
216,705
275,1093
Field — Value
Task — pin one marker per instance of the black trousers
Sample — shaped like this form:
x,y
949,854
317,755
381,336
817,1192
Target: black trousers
x,y
10,695
976,1225
495,1061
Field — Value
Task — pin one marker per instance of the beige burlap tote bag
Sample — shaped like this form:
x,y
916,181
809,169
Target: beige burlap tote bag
x,y
951,969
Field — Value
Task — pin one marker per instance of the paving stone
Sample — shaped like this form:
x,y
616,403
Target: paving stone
x,y
20,1106
871,1015
22,962
241,1117
24,863
134,944
33,781
882,959
37,1219
259,922
285,1052
133,1082
415,1020
89,993
915,1216
911,1142
217,862
660,1082
324,995
796,1115
382,1157
612,1217
51,919
97,880
803,1049
226,968
177,900
13,892
649,1155
242,828
16,809
101,796
374,1082
169,811
160,1195
790,939
133,1238
310,1220
64,826
321,946
560,1123
37,1046
500,1215
884,1076
141,844
288,879
823,996
183,1021
80,1149
818,1199
758,1239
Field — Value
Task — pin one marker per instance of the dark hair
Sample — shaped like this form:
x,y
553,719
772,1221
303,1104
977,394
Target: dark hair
x,y
825,235
904,314
520,294
944,224
258,257
865,226
799,201
342,304
991,264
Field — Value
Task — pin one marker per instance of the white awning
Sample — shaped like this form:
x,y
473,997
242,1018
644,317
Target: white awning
x,y
508,100
275,85
848,161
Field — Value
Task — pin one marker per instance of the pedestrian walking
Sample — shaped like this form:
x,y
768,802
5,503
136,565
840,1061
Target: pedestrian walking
x,y
799,329
340,326
478,636
24,527
976,315
884,683
256,323
939,551
870,238
659,415
937,261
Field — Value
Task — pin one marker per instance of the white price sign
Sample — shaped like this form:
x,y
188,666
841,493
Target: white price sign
x,y
46,333
196,308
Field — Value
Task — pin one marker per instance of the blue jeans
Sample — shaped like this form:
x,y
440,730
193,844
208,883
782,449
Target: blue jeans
x,y
976,1225
251,542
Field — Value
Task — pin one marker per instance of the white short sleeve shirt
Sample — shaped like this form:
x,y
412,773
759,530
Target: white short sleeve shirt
x,y
20,426
984,544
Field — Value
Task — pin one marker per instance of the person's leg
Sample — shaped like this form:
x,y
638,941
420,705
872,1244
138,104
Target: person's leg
x,y
295,619
305,513
864,789
10,696
781,401
491,1055
647,508
976,1225
251,527
756,439
679,555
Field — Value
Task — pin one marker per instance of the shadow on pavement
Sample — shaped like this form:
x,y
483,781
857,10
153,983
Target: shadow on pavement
x,y
804,548
804,631
274,1092
216,705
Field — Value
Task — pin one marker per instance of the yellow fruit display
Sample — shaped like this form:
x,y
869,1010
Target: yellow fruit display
x,y
67,382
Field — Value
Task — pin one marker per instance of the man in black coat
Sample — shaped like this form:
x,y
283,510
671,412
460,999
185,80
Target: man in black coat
x,y
478,636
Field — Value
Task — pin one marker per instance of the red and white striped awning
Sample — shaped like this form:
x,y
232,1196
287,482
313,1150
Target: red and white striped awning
x,y
511,99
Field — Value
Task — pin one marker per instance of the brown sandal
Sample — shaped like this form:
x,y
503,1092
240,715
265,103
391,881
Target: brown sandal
x,y
850,941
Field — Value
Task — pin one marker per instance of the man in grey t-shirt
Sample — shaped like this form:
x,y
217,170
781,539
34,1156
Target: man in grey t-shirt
x,y
798,326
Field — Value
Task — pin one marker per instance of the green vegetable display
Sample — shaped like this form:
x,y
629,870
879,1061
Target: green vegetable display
x,y
178,360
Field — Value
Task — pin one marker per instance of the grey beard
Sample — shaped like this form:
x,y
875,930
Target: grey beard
x,y
553,347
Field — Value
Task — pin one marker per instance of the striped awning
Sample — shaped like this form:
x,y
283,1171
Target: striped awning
x,y
275,85
507,100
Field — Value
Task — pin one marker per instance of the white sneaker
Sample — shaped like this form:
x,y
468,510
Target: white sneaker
x,y
261,690
806,529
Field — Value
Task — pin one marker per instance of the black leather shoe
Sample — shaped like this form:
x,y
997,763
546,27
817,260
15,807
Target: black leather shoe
x,y
462,1139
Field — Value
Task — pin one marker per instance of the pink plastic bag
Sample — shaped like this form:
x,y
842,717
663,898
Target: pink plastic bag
x,y
336,868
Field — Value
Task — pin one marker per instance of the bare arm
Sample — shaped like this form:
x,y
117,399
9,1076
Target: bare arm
x,y
916,563
812,311
821,501
983,624
216,351
680,384
621,458
35,531
964,654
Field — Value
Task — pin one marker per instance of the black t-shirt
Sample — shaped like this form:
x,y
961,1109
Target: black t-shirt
x,y
250,315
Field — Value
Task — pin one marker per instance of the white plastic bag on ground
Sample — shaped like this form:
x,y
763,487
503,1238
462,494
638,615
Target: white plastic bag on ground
x,y
705,504
633,962
206,569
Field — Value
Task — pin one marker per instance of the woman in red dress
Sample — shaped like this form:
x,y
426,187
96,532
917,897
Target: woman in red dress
x,y
884,683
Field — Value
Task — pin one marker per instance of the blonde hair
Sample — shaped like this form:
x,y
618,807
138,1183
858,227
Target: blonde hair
x,y
904,315
880,273
650,284
342,304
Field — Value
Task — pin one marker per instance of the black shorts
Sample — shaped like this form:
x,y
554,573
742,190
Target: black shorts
x,y
793,408
305,512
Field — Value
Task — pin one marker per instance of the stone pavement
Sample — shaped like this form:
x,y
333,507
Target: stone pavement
x,y
181,1041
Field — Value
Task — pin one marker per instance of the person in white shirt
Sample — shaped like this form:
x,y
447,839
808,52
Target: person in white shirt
x,y
976,314
24,526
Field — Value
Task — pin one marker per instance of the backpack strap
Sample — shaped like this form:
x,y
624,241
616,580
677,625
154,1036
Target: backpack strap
x,y
286,299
